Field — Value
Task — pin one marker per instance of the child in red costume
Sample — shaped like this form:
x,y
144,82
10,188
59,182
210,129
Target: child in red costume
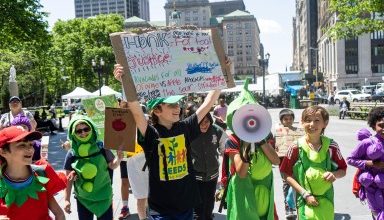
x,y
26,191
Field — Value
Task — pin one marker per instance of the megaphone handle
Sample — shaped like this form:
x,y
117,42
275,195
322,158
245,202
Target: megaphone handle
x,y
253,148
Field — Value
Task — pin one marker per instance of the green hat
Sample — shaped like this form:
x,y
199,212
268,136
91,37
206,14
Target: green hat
x,y
169,100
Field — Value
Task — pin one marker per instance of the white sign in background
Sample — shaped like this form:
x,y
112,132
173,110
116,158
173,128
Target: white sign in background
x,y
165,63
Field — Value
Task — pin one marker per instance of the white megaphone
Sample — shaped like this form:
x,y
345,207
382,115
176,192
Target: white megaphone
x,y
252,123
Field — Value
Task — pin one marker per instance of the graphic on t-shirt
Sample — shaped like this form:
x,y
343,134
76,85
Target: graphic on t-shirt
x,y
175,155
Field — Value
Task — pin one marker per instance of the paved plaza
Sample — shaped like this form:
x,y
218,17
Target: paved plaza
x,y
342,131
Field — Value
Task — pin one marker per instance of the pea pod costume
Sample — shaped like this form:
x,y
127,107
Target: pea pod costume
x,y
250,197
308,171
93,185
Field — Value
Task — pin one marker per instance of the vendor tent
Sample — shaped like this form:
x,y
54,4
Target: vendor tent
x,y
78,93
106,90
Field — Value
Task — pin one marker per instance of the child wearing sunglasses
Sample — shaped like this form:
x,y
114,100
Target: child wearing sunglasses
x,y
26,191
90,161
368,157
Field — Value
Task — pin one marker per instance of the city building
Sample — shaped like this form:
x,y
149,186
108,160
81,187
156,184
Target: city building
x,y
349,63
241,39
305,26
192,12
225,7
126,8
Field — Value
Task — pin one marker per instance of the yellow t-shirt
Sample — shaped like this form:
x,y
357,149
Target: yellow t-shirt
x,y
138,149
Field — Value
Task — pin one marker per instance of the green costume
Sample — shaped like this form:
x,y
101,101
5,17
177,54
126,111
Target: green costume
x,y
93,185
308,171
250,197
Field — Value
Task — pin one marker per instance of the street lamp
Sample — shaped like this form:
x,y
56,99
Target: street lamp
x,y
263,62
98,67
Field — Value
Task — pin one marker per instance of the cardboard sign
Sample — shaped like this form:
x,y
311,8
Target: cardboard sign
x,y
285,138
95,108
120,129
165,63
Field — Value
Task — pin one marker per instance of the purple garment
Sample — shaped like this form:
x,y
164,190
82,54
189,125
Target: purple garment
x,y
363,134
21,119
358,158
37,146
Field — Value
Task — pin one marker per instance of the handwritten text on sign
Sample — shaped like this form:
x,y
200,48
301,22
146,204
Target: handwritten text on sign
x,y
165,63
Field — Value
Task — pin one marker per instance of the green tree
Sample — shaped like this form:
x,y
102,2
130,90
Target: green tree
x,y
76,42
21,21
355,17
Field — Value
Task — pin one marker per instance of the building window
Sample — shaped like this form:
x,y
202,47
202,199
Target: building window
x,y
377,35
351,68
239,52
229,26
187,19
230,53
230,39
195,12
239,59
195,18
230,47
351,56
378,68
378,50
249,58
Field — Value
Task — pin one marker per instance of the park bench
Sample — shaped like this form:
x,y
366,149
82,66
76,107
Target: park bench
x,y
304,103
360,110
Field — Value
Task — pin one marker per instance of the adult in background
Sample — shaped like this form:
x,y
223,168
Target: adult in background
x,y
344,107
206,149
220,112
15,107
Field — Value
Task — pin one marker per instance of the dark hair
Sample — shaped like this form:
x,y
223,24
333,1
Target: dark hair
x,y
375,115
193,108
7,148
285,112
154,118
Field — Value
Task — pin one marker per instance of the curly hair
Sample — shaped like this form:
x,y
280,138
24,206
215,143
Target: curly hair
x,y
375,115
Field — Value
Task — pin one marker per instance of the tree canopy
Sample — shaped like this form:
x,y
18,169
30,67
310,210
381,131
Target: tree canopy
x,y
355,17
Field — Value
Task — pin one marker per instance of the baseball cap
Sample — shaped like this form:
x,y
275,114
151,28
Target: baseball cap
x,y
169,100
14,98
17,133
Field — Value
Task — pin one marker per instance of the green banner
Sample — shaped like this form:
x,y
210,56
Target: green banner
x,y
95,108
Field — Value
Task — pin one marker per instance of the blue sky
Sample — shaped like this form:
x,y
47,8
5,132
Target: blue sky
x,y
274,18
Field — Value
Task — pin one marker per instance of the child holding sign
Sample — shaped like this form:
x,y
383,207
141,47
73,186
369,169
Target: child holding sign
x,y
173,189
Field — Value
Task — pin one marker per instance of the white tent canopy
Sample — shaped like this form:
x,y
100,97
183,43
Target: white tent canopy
x,y
106,90
238,88
78,93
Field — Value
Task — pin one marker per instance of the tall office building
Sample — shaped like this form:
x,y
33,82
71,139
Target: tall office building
x,y
192,12
225,7
126,8
349,63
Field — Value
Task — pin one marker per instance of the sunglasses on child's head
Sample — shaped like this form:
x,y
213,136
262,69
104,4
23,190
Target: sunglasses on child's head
x,y
81,130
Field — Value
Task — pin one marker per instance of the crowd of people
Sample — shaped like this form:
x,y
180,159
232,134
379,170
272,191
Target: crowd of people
x,y
174,171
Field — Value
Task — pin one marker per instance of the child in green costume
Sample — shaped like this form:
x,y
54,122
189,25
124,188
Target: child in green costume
x,y
311,165
250,190
90,161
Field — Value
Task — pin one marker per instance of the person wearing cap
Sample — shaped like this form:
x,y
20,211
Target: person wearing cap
x,y
26,191
15,107
286,134
173,191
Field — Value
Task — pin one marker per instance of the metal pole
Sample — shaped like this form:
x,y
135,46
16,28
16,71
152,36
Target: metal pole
x,y
99,74
264,83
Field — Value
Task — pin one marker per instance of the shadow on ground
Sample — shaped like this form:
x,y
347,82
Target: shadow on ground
x,y
342,216
56,155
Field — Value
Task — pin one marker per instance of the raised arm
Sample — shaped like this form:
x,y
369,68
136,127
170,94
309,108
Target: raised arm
x,y
134,106
207,104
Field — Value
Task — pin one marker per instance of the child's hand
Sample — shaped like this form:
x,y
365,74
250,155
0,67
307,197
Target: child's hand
x,y
65,145
329,176
72,176
118,71
120,154
67,206
311,201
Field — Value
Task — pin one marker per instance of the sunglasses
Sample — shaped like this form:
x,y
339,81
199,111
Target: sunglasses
x,y
86,129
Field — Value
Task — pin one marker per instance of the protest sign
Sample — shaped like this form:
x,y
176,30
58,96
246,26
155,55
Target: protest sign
x,y
95,108
120,129
170,62
286,137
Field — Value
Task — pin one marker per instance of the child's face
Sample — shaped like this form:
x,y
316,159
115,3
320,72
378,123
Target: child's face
x,y
287,120
19,153
204,125
314,124
379,127
169,112
82,130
